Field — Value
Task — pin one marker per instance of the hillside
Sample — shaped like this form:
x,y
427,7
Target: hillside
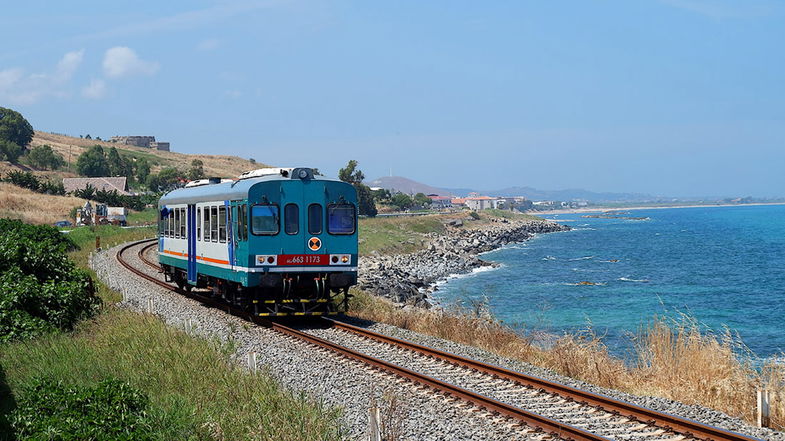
x,y
214,165
406,185
35,208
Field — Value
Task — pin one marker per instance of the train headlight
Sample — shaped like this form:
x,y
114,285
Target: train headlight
x,y
334,259
345,259
340,259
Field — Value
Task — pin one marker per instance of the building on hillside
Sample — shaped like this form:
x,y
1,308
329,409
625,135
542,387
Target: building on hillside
x,y
440,202
458,202
160,145
118,183
141,141
519,203
484,203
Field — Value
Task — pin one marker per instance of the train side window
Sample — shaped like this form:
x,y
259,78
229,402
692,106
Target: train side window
x,y
291,219
315,218
214,224
206,225
183,223
169,223
177,223
242,220
341,218
222,224
199,223
265,220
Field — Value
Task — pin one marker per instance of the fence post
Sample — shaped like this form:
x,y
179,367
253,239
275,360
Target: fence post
x,y
252,361
97,242
763,408
149,306
373,424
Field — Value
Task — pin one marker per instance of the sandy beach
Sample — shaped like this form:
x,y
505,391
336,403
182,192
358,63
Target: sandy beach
x,y
659,207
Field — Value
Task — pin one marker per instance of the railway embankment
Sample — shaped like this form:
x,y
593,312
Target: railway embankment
x,y
410,278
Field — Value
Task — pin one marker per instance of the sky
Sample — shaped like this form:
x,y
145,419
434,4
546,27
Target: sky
x,y
664,97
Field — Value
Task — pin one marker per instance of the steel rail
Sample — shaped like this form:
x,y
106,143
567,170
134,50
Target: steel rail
x,y
553,427
682,426
663,420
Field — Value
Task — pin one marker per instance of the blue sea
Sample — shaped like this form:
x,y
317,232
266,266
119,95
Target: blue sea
x,y
723,266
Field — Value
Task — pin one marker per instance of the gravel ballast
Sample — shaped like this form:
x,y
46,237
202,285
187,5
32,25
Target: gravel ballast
x,y
299,366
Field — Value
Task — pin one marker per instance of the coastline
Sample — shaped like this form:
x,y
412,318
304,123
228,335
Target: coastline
x,y
411,278
604,209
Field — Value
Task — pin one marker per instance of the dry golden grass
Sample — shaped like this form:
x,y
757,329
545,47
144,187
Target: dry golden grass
x,y
35,208
675,359
214,165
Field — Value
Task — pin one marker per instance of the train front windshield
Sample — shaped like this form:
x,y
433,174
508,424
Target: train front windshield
x,y
340,219
264,219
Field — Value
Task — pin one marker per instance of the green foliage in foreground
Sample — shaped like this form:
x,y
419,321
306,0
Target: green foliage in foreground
x,y
193,383
113,410
41,290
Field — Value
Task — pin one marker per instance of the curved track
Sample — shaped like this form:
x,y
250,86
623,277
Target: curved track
x,y
571,413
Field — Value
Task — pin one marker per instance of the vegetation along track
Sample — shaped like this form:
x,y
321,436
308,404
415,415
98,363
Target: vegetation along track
x,y
562,411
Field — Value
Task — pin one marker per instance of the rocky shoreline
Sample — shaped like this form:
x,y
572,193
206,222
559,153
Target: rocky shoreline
x,y
410,278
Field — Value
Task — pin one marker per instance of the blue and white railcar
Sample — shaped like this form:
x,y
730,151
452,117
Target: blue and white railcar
x,y
278,241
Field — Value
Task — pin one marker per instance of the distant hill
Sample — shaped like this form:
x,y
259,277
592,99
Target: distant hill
x,y
406,185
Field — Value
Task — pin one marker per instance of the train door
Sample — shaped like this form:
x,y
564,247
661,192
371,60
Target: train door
x,y
191,238
293,213
239,231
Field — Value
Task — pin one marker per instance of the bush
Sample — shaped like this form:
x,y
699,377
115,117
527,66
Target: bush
x,y
474,215
43,157
37,233
31,182
10,151
41,290
113,410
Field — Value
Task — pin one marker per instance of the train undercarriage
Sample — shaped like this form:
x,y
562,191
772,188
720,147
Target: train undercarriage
x,y
278,294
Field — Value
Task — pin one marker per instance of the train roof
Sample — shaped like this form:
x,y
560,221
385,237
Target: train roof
x,y
227,191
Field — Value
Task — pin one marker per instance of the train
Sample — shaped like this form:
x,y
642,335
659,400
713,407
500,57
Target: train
x,y
275,241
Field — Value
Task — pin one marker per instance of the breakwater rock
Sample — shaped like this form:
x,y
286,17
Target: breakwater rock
x,y
408,278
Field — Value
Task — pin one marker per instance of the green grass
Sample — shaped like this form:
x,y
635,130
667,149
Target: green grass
x,y
193,382
397,235
507,214
147,216
198,391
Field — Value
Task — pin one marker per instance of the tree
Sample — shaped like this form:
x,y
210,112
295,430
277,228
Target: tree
x,y
422,200
88,136
119,165
167,179
14,128
365,202
44,157
93,162
350,173
402,201
10,151
381,195
142,170
197,170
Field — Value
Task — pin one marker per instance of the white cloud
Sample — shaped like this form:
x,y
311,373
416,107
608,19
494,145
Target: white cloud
x,y
19,87
233,94
209,44
122,61
95,90
68,65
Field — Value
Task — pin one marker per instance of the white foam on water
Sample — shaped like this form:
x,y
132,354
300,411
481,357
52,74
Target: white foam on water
x,y
583,258
625,279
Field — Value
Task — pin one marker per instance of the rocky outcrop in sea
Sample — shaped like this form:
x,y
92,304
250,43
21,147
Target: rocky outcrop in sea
x,y
409,278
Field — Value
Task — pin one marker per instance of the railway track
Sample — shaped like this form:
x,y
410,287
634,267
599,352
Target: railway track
x,y
561,411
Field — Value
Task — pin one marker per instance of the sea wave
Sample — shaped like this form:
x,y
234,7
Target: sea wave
x,y
549,258
583,258
625,279
586,284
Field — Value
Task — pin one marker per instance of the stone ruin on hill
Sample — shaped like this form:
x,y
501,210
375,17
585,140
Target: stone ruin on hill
x,y
141,141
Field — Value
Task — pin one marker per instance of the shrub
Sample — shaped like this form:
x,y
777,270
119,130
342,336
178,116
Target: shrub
x,y
474,215
44,157
10,151
23,179
113,410
41,290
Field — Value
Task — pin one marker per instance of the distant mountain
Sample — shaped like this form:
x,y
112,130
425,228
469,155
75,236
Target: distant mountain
x,y
406,185
569,195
